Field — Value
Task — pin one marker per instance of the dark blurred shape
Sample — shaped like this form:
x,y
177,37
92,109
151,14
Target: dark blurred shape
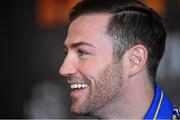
x,y
48,101
173,16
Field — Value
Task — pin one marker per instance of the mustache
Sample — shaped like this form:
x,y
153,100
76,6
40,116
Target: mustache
x,y
73,77
78,78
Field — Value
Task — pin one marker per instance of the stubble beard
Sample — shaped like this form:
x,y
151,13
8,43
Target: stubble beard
x,y
107,86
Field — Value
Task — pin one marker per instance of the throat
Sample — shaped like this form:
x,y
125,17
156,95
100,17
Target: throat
x,y
117,107
129,105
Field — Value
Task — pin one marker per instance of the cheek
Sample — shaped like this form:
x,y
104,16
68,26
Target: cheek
x,y
87,65
92,66
105,86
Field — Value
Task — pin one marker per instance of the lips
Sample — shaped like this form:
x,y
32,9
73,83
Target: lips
x,y
78,89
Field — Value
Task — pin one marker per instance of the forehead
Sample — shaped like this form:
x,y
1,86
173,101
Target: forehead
x,y
89,28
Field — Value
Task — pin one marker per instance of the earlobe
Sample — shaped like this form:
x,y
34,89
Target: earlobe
x,y
137,59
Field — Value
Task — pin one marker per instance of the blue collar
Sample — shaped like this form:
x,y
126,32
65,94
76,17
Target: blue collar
x,y
161,107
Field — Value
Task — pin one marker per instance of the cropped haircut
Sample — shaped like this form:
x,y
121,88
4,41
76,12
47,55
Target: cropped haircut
x,y
131,23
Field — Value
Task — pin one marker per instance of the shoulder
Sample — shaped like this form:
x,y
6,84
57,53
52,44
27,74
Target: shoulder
x,y
176,113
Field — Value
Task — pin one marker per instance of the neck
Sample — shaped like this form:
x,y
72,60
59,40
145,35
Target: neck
x,y
133,101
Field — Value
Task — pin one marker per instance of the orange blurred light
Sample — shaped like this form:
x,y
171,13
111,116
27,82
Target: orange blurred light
x,y
51,13
157,5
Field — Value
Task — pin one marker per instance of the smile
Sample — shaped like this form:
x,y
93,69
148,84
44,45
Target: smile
x,y
78,86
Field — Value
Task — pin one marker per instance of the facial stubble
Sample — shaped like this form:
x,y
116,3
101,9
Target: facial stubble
x,y
106,86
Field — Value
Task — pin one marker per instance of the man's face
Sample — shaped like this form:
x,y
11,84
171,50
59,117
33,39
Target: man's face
x,y
89,67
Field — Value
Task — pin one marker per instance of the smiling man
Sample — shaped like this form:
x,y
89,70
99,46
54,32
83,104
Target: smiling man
x,y
113,49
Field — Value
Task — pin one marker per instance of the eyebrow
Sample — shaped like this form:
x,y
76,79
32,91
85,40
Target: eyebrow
x,y
77,44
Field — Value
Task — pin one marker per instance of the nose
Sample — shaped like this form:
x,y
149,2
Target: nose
x,y
67,68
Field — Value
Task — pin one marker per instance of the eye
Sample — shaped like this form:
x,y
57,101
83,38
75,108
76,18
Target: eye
x,y
81,53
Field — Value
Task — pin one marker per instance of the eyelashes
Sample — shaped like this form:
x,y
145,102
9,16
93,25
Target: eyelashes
x,y
80,52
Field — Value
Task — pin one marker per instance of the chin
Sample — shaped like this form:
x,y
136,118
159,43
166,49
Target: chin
x,y
75,109
80,111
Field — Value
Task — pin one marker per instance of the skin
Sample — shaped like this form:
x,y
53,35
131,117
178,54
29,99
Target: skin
x,y
115,90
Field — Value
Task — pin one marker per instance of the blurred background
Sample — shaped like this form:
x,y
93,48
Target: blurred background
x,y
32,34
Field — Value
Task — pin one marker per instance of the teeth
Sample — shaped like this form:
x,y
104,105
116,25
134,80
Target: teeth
x,y
79,85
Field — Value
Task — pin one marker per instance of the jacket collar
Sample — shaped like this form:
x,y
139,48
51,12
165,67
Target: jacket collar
x,y
161,107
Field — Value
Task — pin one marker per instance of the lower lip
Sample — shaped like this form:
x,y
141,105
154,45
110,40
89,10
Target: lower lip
x,y
78,92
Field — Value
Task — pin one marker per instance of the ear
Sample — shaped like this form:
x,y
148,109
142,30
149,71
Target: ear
x,y
137,59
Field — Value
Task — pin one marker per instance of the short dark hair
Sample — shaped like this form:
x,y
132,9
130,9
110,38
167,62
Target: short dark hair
x,y
132,23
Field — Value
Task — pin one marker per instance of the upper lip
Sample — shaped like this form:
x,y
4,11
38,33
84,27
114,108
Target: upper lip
x,y
75,82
